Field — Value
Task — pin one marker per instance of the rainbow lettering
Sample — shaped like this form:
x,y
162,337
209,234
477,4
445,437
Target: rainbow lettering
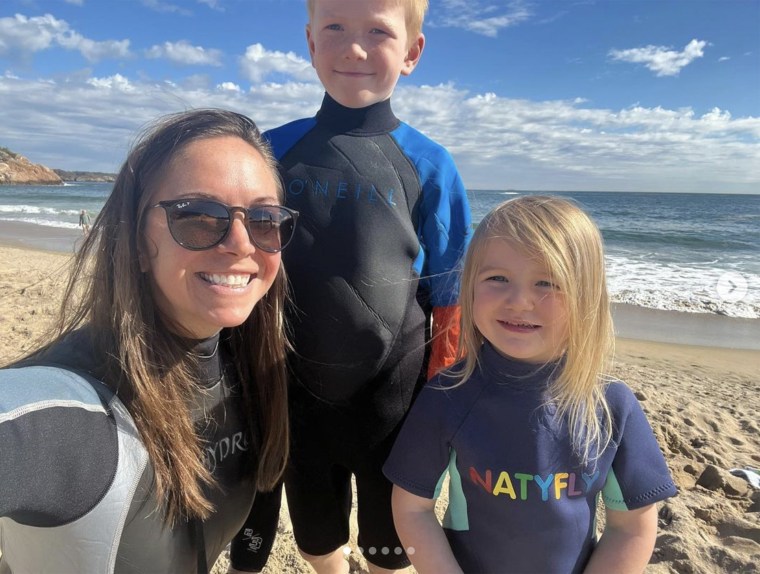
x,y
522,486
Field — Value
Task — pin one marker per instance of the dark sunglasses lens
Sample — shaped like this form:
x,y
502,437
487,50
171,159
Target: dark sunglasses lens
x,y
271,227
198,224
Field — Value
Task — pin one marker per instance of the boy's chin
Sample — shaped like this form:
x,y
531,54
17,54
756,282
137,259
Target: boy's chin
x,y
361,100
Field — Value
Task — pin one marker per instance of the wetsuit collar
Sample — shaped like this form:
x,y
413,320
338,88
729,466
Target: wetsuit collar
x,y
374,119
206,352
518,374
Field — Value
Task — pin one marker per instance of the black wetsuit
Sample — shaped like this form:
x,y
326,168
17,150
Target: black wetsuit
x,y
384,220
75,479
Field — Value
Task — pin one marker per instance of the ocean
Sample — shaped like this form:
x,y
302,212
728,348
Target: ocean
x,y
688,252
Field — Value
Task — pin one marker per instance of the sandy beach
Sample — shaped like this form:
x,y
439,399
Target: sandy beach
x,y
697,377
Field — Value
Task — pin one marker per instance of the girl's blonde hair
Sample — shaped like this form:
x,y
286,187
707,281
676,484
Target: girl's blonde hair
x,y
148,366
414,9
559,233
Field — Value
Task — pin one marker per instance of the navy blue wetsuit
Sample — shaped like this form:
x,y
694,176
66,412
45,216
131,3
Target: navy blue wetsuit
x,y
384,219
519,500
76,490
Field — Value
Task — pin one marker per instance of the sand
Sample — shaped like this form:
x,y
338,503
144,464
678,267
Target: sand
x,y
701,398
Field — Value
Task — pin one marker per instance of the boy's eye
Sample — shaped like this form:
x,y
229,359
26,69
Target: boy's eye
x,y
377,31
333,27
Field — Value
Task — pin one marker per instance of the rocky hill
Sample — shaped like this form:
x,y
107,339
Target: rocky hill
x,y
16,169
85,175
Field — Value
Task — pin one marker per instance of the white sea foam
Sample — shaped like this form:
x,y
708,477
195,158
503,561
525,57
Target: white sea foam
x,y
37,209
42,221
692,289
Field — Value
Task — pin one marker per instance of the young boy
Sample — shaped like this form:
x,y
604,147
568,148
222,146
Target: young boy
x,y
384,220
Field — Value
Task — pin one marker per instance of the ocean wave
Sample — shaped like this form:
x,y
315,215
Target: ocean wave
x,y
37,209
43,222
670,301
691,289
670,239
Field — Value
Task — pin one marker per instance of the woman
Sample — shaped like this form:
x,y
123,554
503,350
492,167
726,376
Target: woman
x,y
132,442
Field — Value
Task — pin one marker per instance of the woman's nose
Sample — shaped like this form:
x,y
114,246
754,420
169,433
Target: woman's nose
x,y
238,239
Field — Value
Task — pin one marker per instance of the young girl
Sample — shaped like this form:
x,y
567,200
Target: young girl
x,y
529,431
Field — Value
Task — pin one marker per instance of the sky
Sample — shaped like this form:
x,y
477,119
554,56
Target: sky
x,y
563,95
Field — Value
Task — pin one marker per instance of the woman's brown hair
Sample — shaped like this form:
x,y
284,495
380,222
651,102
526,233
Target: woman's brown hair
x,y
146,364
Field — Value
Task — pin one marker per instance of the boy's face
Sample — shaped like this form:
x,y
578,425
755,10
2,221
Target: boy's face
x,y
360,48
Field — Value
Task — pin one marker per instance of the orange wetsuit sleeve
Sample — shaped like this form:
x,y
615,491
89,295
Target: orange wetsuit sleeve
x,y
443,345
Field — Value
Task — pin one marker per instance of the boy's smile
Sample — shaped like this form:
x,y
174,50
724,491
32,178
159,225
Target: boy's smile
x,y
359,49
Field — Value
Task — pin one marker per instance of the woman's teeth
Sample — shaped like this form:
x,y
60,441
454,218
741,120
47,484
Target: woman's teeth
x,y
226,280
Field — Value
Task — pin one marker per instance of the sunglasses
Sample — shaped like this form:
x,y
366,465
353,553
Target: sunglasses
x,y
198,224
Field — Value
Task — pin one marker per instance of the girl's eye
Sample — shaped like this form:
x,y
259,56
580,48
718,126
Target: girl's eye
x,y
547,285
499,278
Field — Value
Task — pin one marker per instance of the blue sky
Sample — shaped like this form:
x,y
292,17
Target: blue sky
x,y
640,95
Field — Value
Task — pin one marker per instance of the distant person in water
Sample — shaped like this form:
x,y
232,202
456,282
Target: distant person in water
x,y
84,221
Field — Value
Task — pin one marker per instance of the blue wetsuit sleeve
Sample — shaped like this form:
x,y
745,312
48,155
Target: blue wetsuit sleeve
x,y
639,474
422,450
59,446
286,136
445,232
444,223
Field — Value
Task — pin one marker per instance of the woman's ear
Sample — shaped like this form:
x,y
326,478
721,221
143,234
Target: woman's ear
x,y
143,254
142,260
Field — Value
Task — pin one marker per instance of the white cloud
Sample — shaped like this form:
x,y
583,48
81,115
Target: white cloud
x,y
723,59
112,83
184,53
165,7
25,36
662,60
481,16
88,123
213,4
258,63
229,87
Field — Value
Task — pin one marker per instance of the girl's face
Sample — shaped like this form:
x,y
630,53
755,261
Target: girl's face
x,y
516,307
205,291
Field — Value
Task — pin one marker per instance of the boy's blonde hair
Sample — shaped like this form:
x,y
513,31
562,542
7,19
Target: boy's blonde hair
x,y
415,14
560,234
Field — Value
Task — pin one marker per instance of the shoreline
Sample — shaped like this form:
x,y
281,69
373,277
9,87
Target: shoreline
x,y
23,235
705,330
684,328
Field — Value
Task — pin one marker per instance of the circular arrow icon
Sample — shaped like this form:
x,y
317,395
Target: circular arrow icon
x,y
731,287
